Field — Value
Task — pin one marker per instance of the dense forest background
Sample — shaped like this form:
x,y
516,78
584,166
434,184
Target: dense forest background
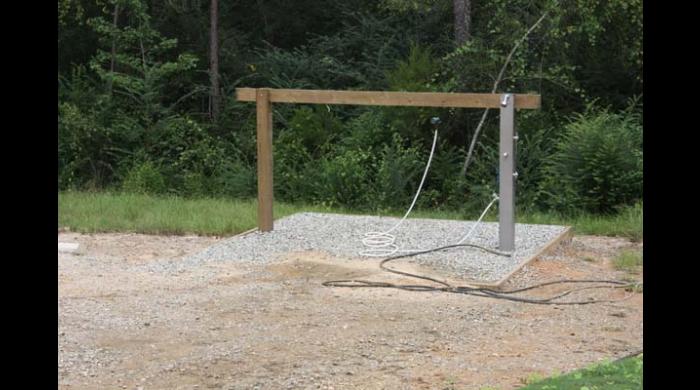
x,y
147,103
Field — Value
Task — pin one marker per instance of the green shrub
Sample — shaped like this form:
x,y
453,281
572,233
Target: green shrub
x,y
188,156
355,57
534,149
144,178
85,149
343,180
78,88
293,170
597,165
183,146
451,189
367,130
302,67
415,74
301,150
482,175
315,127
398,174
235,179
367,45
195,184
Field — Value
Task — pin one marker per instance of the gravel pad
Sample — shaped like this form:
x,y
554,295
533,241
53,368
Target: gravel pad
x,y
341,235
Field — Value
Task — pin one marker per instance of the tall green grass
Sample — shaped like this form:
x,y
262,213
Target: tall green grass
x,y
90,212
627,223
629,260
119,212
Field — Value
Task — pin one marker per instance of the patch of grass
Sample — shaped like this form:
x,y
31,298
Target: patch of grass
x,y
625,374
91,212
628,223
628,260
121,212
532,378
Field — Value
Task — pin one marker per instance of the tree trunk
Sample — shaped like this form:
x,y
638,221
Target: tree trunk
x,y
114,48
463,20
266,25
215,102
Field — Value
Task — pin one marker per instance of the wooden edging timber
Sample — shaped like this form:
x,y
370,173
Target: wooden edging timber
x,y
563,236
244,233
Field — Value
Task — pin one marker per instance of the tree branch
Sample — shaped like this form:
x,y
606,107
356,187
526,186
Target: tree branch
x,y
185,96
495,88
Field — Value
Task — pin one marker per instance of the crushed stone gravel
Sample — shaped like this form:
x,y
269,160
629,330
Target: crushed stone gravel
x,y
341,235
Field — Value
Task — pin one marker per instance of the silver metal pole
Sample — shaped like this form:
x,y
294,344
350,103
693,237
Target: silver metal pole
x,y
507,175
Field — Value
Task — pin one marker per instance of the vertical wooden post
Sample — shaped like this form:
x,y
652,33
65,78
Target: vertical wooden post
x,y
264,141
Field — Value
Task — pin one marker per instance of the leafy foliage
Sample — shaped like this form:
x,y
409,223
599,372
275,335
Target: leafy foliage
x,y
144,178
141,76
133,100
598,164
398,173
82,143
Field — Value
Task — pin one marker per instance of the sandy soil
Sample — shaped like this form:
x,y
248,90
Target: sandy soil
x,y
242,326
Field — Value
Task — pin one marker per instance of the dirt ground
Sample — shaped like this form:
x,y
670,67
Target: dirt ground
x,y
245,326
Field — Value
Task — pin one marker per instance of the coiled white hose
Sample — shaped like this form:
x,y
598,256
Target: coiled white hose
x,y
381,244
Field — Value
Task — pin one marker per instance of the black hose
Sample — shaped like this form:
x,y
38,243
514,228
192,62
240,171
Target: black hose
x,y
478,291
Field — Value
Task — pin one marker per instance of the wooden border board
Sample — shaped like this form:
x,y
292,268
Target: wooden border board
x,y
562,237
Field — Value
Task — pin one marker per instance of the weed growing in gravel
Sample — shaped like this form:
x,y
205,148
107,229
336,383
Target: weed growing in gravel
x,y
449,384
532,378
628,260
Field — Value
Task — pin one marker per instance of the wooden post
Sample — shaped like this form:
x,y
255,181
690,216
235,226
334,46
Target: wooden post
x,y
264,141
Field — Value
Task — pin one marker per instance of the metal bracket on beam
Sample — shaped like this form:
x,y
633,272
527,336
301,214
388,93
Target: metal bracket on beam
x,y
505,98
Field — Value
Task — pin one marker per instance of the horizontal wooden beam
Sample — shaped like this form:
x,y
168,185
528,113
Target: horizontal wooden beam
x,y
382,98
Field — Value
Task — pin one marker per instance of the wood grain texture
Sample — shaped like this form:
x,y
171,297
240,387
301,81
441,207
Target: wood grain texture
x,y
264,142
383,98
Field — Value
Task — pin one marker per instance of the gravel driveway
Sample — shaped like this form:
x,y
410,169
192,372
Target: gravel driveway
x,y
124,322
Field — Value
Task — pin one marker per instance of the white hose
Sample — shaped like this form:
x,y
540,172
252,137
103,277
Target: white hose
x,y
381,244
495,198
